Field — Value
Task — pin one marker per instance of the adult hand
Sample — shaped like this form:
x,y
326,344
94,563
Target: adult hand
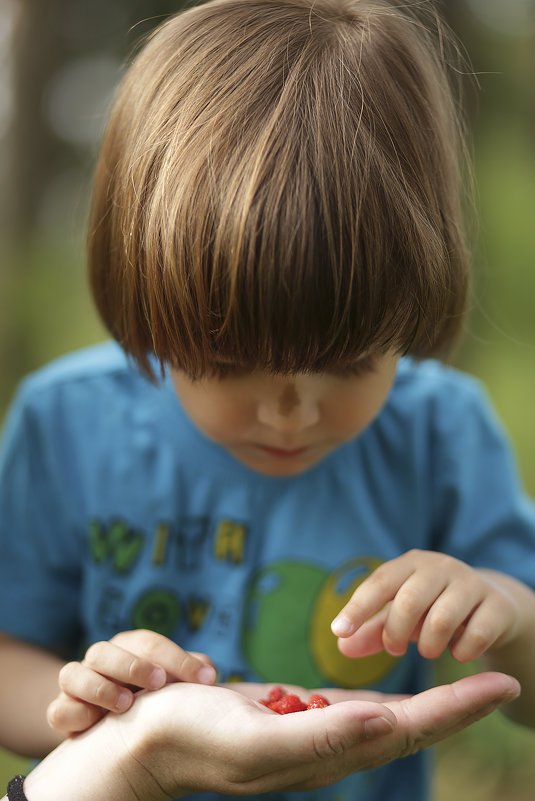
x,y
189,738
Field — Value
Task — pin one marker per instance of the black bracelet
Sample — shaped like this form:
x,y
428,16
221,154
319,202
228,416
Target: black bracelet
x,y
15,790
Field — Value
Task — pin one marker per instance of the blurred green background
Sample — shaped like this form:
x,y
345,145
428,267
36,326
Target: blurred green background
x,y
59,63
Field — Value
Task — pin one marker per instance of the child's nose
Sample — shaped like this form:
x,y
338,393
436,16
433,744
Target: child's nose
x,y
290,409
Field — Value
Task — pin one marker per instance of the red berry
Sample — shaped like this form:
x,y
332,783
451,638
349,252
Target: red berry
x,y
289,703
317,702
276,694
283,703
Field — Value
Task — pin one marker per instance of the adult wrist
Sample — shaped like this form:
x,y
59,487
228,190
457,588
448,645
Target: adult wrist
x,y
152,749
89,767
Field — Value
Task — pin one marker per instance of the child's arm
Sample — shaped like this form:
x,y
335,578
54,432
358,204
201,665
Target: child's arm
x,y
28,682
440,602
515,654
110,672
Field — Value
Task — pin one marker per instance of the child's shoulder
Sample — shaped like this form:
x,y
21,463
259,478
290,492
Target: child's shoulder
x,y
438,389
431,379
432,401
95,361
99,370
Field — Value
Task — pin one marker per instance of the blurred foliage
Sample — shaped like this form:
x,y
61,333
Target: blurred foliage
x,y
491,760
45,162
10,766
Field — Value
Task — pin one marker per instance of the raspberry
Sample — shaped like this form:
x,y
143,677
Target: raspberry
x,y
288,703
317,702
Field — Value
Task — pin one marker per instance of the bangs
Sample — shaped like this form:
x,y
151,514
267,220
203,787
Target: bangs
x,y
286,205
287,282
291,289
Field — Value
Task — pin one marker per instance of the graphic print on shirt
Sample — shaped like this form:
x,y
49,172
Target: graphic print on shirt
x,y
283,611
118,545
275,621
229,541
116,541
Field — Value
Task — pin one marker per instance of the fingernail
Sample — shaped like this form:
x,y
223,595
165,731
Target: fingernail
x,y
376,727
515,690
123,701
341,627
401,651
206,675
157,679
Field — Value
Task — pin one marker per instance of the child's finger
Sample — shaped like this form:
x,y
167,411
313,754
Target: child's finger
x,y
367,640
486,625
179,665
125,667
202,657
414,598
370,597
68,715
81,682
445,617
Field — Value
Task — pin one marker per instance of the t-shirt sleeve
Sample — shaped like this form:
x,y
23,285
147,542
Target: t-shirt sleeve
x,y
39,549
482,514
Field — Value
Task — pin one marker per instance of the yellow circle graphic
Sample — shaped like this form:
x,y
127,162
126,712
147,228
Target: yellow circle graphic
x,y
333,595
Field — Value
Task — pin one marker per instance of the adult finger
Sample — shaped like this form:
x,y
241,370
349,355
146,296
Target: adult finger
x,y
442,711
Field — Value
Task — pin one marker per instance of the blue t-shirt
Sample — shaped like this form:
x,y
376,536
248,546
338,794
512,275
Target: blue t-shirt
x,y
117,513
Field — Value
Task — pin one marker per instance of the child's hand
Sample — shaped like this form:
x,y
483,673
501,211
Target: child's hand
x,y
111,671
429,598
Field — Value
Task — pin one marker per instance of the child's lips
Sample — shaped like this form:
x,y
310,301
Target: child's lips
x,y
283,453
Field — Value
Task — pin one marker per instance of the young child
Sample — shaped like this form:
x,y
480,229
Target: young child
x,y
276,244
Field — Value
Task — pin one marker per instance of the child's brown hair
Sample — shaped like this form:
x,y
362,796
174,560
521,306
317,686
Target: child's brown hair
x,y
279,186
